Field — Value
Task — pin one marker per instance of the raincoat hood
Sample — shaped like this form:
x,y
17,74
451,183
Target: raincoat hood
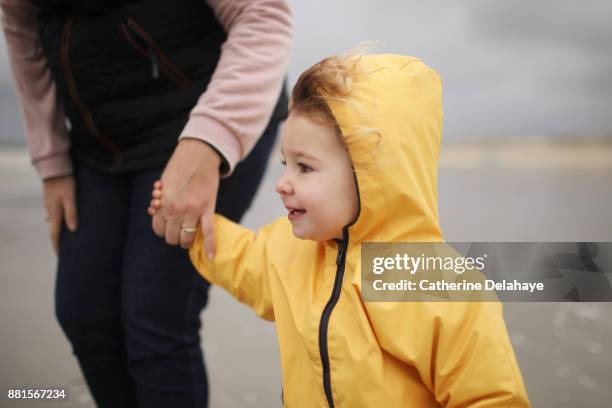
x,y
391,123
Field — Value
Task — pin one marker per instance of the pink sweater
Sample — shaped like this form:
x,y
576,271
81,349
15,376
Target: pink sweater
x,y
230,115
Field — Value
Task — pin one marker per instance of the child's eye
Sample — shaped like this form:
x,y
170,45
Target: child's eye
x,y
304,168
283,163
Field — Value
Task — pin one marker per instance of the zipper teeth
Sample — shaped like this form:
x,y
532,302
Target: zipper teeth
x,y
85,113
167,66
325,316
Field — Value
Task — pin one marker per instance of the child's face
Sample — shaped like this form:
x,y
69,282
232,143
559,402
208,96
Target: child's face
x,y
317,186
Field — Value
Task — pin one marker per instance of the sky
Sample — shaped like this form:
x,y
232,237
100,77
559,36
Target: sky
x,y
510,68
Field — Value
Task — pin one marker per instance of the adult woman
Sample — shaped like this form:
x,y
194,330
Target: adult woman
x,y
106,88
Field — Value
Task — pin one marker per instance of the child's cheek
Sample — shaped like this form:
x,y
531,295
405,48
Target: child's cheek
x,y
316,197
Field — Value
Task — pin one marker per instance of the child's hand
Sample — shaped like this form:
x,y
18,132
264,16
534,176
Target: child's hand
x,y
156,200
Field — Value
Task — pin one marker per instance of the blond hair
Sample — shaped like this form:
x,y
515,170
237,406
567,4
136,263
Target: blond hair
x,y
332,78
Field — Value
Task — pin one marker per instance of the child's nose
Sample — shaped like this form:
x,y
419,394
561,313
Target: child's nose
x,y
283,185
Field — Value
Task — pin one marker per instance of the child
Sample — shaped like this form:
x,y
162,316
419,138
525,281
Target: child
x,y
360,150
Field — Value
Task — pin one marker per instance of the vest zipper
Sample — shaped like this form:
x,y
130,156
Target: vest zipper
x,y
74,94
325,316
144,44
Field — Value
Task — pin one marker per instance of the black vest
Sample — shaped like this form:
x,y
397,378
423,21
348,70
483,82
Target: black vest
x,y
128,73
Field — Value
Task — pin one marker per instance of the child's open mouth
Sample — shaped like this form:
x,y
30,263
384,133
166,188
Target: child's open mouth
x,y
295,213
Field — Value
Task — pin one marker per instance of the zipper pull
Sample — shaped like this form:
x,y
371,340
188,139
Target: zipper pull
x,y
154,63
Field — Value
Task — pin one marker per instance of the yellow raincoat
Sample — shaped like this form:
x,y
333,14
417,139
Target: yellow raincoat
x,y
337,350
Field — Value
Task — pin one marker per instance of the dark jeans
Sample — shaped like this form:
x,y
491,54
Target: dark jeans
x,y
129,303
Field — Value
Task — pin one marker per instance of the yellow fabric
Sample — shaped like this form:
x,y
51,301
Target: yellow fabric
x,y
382,354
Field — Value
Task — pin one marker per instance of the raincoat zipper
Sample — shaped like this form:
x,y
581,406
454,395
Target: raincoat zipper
x,y
144,44
325,316
74,94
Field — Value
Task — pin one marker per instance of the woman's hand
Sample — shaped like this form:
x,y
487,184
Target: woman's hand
x,y
191,182
60,203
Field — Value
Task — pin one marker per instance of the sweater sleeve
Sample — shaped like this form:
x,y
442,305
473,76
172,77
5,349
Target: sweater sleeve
x,y
239,101
42,112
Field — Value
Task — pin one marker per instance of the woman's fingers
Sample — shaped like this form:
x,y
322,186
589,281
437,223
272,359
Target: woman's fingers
x,y
173,231
159,225
59,196
188,231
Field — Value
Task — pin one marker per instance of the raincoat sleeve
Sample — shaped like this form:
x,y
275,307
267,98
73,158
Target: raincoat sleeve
x,y
461,350
240,265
